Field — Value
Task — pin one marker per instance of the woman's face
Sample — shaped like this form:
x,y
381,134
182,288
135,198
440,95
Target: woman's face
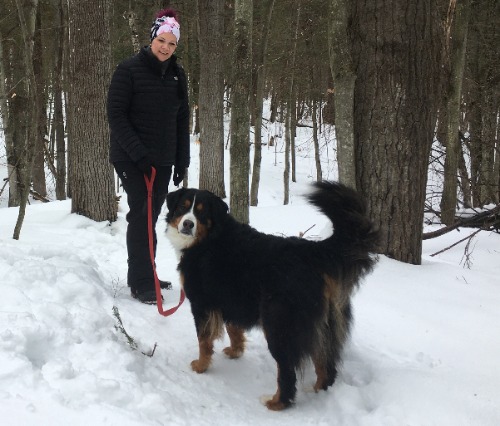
x,y
163,46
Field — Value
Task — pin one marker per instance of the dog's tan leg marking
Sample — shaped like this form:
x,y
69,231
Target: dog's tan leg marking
x,y
274,403
206,351
209,330
321,375
237,339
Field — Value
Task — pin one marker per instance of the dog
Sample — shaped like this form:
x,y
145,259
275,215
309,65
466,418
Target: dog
x,y
298,291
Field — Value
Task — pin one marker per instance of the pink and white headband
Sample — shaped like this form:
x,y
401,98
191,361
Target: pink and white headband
x,y
165,24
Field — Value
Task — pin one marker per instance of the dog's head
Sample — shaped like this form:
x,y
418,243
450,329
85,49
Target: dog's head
x,y
192,215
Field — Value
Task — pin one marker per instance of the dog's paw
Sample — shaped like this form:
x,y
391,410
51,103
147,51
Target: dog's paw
x,y
232,352
273,403
310,389
198,366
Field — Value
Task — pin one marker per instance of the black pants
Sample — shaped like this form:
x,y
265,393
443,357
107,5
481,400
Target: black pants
x,y
140,272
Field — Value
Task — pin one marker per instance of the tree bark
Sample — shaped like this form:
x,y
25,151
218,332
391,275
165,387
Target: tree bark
x,y
456,51
260,63
317,157
39,181
344,77
211,24
27,12
290,110
240,111
58,121
397,47
91,175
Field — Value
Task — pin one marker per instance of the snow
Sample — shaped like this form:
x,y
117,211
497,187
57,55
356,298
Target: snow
x,y
425,344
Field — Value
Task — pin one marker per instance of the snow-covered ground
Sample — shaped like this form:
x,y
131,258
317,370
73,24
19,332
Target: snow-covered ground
x,y
425,345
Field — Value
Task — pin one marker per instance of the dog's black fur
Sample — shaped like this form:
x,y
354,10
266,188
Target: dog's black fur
x,y
297,290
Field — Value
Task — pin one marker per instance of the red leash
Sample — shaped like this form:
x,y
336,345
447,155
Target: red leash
x,y
159,304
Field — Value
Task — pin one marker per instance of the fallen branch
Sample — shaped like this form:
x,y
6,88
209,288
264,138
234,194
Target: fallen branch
x,y
457,243
485,220
37,196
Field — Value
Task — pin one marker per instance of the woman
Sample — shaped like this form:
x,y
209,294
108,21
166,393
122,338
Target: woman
x,y
148,116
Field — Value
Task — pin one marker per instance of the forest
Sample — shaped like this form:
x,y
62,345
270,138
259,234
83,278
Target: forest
x,y
408,86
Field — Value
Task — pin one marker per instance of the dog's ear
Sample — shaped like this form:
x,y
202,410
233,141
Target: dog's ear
x,y
172,201
219,209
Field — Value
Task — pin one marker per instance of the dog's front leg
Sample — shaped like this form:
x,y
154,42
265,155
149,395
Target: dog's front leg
x,y
201,364
208,327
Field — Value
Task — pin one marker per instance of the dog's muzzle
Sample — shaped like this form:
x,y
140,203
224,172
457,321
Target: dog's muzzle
x,y
187,227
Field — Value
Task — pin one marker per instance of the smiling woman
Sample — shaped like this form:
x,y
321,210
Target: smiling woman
x,y
148,116
163,46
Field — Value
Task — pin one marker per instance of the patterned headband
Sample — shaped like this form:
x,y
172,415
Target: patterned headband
x,y
165,24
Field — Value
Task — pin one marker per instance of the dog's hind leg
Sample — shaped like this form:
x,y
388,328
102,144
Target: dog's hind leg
x,y
208,328
285,353
326,372
237,341
328,351
285,394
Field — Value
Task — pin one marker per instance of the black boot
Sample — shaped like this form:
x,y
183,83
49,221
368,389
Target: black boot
x,y
148,297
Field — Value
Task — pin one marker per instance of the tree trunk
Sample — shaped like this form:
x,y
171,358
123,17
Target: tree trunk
x,y
240,111
260,63
39,182
58,120
132,23
464,178
489,187
456,51
91,175
286,171
5,82
398,55
344,77
290,110
27,14
317,157
211,23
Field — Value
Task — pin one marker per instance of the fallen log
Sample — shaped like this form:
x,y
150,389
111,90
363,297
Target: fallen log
x,y
488,220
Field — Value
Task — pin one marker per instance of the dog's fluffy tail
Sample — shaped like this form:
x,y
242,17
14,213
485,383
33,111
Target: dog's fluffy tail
x,y
355,239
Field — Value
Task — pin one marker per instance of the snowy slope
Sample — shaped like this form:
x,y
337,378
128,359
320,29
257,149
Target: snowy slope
x,y
424,350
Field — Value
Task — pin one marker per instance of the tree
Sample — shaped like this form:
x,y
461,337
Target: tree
x,y
397,47
259,59
91,175
456,51
58,120
28,98
211,24
482,98
344,77
240,111
291,117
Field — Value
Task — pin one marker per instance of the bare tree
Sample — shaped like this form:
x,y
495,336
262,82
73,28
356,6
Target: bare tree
x,y
211,24
290,110
457,38
344,77
27,12
240,111
260,61
398,48
91,175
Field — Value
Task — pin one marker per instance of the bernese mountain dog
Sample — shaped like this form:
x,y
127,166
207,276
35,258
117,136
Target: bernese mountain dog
x,y
297,290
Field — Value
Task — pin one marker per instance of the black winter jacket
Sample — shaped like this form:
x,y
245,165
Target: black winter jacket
x,y
148,111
